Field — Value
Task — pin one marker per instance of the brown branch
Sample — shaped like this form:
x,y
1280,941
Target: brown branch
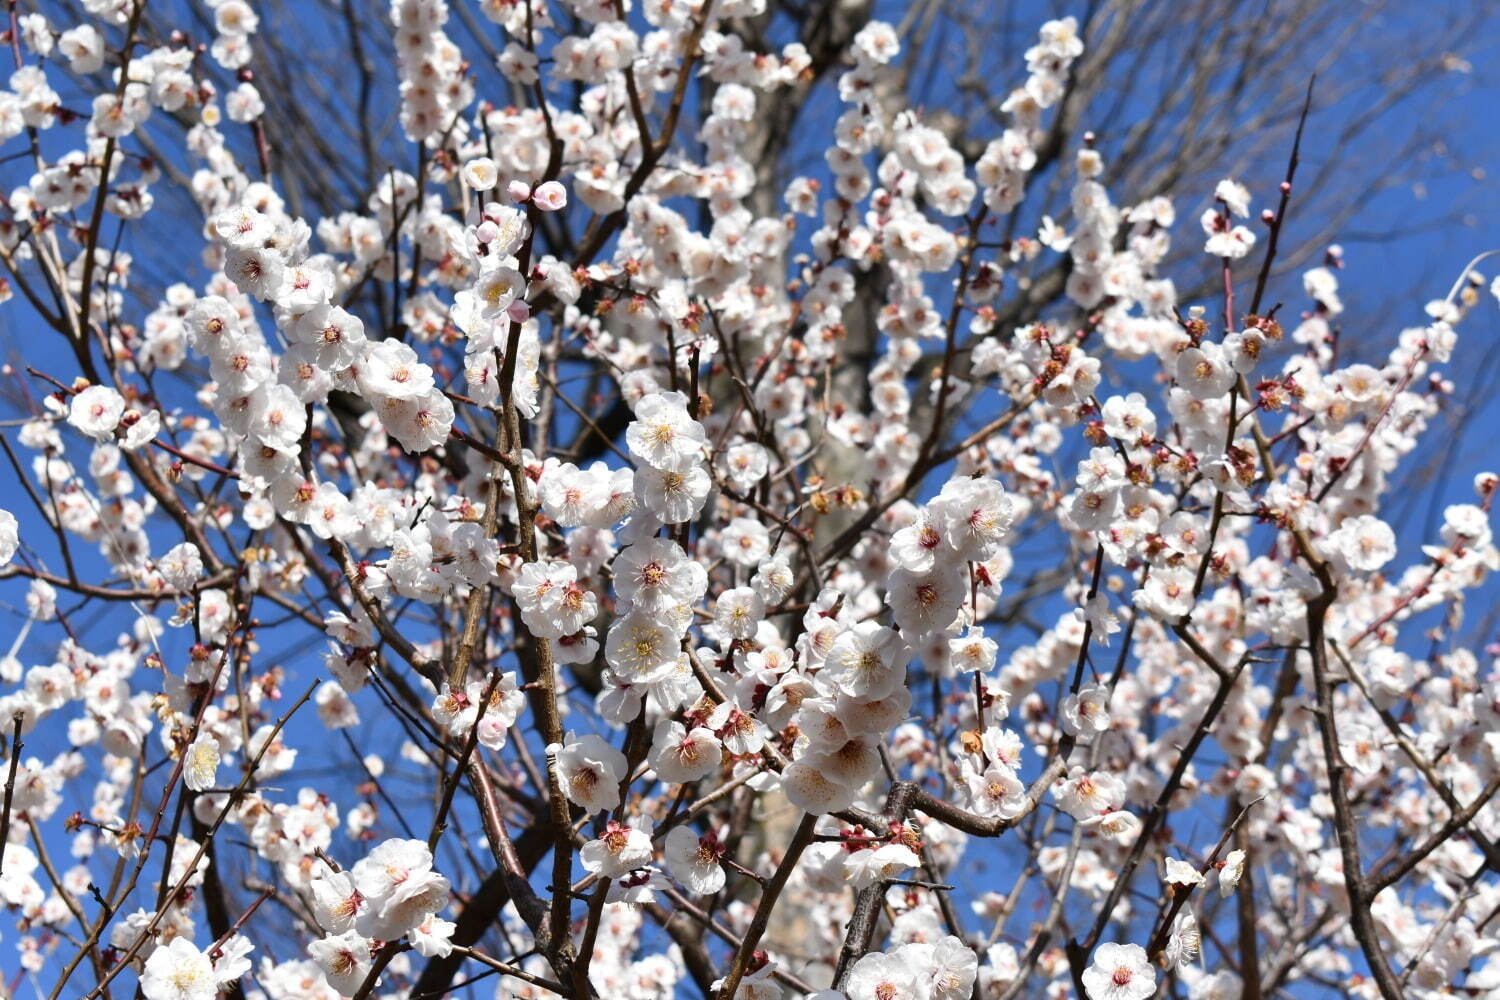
x,y
742,956
17,721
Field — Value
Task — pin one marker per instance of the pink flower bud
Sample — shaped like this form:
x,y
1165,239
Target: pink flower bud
x,y
519,191
550,196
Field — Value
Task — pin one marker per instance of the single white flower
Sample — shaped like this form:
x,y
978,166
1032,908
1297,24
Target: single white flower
x,y
1231,870
200,763
179,971
1119,972
181,566
336,901
96,411
1235,195
695,861
10,536
589,770
344,959
681,755
1179,872
480,173
663,434
619,850
642,648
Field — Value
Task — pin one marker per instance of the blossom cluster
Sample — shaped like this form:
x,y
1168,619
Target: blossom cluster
x,y
548,474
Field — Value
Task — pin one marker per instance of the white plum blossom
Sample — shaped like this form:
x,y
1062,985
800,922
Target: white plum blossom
x,y
398,887
96,412
200,763
1119,972
663,435
694,860
1179,872
974,516
180,971
620,849
344,960
589,771
681,755
655,495
1231,871
10,536
1364,543
182,565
